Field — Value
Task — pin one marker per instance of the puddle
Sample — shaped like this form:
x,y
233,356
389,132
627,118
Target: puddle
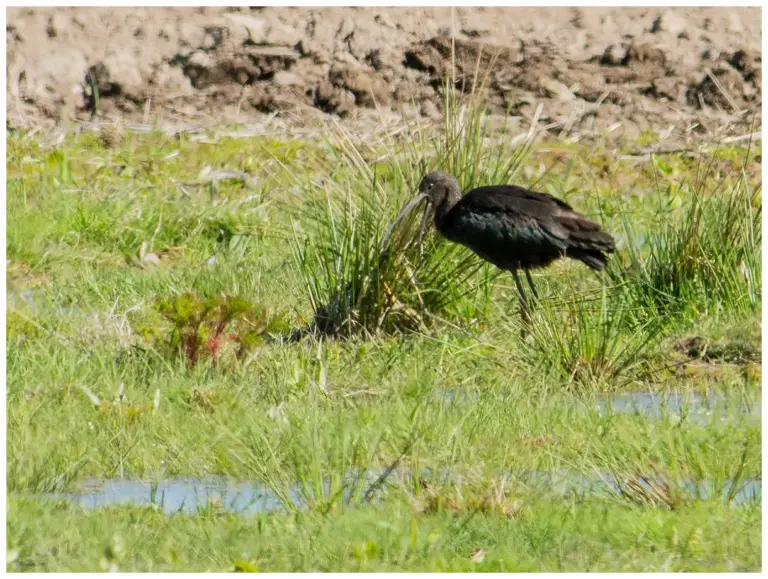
x,y
249,497
179,495
750,490
191,495
696,407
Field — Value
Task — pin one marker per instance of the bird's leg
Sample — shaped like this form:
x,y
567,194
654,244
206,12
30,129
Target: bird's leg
x,y
530,284
524,310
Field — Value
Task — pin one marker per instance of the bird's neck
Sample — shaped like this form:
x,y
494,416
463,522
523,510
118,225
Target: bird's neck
x,y
444,208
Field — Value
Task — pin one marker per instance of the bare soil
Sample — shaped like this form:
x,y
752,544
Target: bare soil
x,y
646,68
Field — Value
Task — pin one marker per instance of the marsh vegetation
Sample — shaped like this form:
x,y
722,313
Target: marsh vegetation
x,y
155,287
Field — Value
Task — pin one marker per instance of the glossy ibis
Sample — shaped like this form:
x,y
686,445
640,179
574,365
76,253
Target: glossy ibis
x,y
513,228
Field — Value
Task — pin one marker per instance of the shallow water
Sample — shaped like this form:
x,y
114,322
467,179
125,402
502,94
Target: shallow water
x,y
192,494
179,495
607,485
696,407
248,497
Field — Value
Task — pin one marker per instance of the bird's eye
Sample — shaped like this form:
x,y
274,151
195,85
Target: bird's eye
x,y
431,185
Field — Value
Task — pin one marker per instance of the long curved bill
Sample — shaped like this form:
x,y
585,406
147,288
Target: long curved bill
x,y
404,212
424,219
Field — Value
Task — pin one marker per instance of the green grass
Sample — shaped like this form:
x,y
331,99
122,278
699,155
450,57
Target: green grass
x,y
703,258
547,535
99,238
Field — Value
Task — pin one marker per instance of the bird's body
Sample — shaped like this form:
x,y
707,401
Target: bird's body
x,y
514,228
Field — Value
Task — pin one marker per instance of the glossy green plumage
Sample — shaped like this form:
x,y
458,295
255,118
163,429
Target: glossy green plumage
x,y
516,228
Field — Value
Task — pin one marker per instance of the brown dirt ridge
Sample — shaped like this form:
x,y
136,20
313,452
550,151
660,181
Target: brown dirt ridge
x,y
653,67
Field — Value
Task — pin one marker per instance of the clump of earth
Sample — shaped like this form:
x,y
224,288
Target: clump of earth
x,y
587,67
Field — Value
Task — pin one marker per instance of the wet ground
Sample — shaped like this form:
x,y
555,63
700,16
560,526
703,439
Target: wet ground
x,y
248,497
696,407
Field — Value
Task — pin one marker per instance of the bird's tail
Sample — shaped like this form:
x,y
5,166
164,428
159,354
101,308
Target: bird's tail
x,y
587,241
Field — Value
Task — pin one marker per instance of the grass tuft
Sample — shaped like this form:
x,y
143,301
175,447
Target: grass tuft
x,y
356,284
587,341
704,262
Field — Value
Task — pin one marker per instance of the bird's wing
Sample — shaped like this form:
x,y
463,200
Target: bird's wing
x,y
510,225
512,198
513,213
502,236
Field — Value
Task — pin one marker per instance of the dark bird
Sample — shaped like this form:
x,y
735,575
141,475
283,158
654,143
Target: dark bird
x,y
513,228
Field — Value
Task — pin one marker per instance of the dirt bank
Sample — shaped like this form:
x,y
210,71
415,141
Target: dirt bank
x,y
691,68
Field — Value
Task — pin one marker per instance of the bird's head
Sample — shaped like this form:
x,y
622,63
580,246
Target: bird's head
x,y
440,188
441,191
